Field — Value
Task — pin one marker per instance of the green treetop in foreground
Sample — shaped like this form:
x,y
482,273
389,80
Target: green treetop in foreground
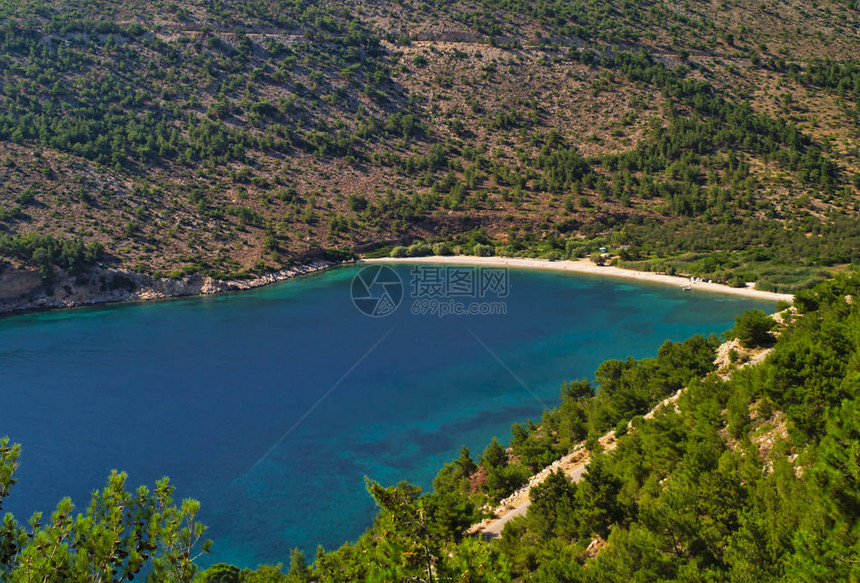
x,y
752,329
118,536
753,477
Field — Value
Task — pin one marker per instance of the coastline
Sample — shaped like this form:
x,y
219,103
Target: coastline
x,y
105,285
68,292
585,266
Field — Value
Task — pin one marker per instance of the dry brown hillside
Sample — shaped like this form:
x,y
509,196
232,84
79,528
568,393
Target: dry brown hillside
x,y
231,138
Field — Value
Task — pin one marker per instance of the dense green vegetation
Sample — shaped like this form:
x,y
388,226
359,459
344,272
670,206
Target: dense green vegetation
x,y
46,252
753,329
752,476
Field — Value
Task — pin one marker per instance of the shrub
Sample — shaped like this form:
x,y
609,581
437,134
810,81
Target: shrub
x,y
442,249
483,250
752,329
418,250
738,281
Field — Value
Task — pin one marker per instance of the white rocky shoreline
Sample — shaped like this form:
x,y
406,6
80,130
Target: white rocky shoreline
x,y
22,290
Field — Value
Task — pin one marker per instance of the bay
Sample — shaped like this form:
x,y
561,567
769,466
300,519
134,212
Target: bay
x,y
271,406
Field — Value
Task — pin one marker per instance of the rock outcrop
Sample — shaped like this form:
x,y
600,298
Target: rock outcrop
x,y
23,289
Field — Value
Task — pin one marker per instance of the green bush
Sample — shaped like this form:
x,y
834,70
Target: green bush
x,y
752,329
419,250
483,250
442,249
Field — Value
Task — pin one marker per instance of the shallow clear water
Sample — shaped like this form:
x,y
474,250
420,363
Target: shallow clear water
x,y
225,394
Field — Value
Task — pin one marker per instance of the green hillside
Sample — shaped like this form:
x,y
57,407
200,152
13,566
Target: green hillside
x,y
232,138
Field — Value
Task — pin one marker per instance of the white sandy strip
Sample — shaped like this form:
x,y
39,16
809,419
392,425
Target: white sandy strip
x,y
587,267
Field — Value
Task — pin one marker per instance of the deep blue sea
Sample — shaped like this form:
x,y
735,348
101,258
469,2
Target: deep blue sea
x,y
270,406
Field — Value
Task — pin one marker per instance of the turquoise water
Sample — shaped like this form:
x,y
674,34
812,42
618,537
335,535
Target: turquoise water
x,y
270,406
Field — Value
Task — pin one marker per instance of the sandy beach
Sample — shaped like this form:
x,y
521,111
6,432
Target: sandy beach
x,y
587,267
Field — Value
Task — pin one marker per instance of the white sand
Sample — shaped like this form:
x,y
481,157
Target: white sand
x,y
586,266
